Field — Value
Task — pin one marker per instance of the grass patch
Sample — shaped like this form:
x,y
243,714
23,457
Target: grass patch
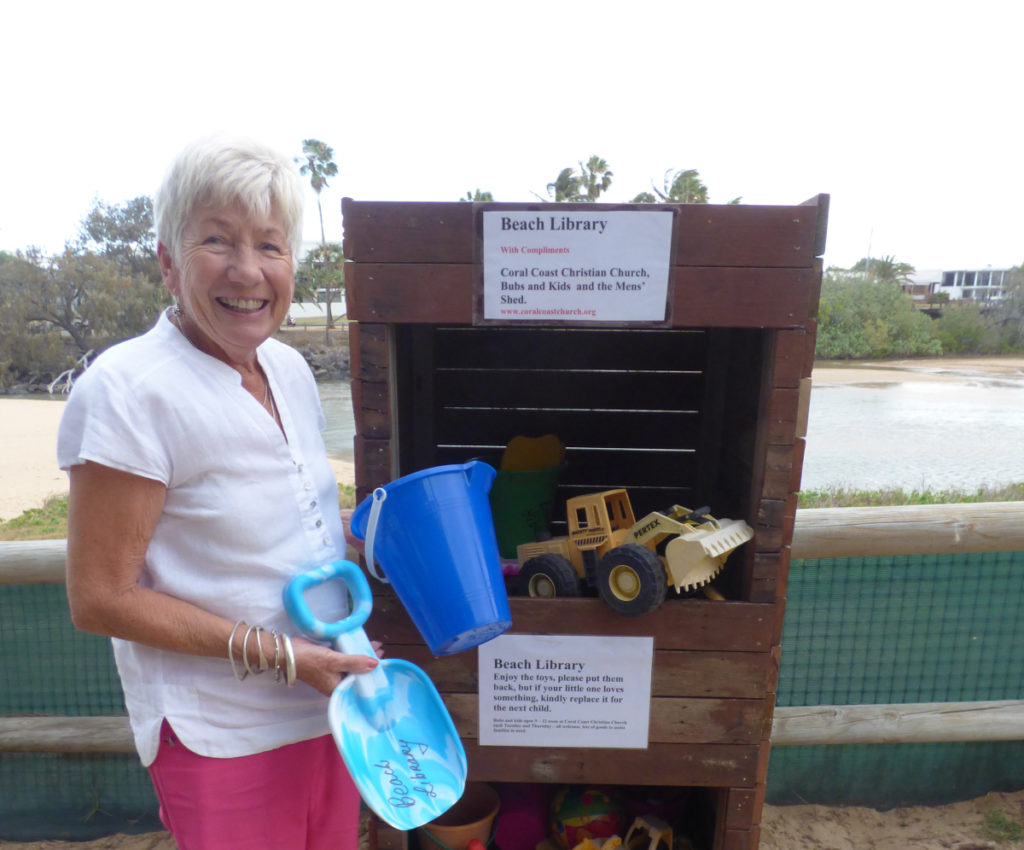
x,y
840,497
1001,829
346,496
50,522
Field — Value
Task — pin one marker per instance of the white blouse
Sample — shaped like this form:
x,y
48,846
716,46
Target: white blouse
x,y
245,510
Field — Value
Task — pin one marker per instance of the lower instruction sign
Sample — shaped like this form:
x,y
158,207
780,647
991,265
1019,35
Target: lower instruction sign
x,y
565,691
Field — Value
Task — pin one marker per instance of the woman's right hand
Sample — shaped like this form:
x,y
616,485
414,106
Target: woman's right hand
x,y
323,668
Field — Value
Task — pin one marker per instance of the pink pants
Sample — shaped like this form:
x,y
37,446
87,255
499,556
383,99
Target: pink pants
x,y
297,797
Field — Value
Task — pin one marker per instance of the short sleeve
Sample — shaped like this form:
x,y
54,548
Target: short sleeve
x,y
105,421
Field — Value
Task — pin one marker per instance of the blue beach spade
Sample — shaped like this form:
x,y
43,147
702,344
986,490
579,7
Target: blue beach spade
x,y
390,725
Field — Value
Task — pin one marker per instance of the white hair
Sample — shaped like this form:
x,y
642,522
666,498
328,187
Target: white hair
x,y
221,171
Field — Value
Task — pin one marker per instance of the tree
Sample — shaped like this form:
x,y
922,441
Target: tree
x,y
582,186
870,319
319,165
1006,316
595,178
478,197
123,233
322,273
884,269
55,311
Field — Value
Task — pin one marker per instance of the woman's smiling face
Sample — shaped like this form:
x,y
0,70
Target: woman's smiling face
x,y
233,280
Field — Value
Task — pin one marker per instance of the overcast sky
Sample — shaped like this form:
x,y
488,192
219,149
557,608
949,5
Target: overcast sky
x,y
906,113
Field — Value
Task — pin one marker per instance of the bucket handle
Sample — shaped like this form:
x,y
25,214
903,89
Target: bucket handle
x,y
379,495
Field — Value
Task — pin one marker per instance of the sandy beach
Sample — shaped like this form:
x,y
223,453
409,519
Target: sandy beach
x,y
28,426
28,455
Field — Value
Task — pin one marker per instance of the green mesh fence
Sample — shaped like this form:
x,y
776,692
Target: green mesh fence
x,y
48,667
935,628
872,630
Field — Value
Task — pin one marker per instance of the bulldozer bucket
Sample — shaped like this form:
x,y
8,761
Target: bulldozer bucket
x,y
698,554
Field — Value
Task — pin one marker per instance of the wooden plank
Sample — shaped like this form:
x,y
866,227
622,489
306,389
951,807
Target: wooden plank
x,y
778,472
372,464
822,203
690,624
909,530
383,836
369,352
710,297
458,425
33,561
673,720
410,294
386,231
740,808
902,723
780,416
595,391
99,734
570,348
790,364
739,839
764,577
707,765
705,297
703,235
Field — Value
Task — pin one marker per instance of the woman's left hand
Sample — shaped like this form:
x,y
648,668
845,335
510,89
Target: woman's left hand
x,y
323,668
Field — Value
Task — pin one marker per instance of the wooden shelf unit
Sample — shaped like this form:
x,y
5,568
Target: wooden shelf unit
x,y
706,408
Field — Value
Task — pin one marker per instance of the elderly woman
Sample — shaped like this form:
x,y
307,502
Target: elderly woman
x,y
199,487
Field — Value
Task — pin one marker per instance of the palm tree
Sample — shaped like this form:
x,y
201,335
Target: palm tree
x,y
585,185
885,269
595,178
683,187
566,186
319,165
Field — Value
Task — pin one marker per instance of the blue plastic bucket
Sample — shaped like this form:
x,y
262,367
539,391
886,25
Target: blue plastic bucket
x,y
434,539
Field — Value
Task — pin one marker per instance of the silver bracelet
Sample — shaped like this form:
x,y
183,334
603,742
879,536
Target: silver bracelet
x,y
264,666
277,654
289,658
245,650
231,652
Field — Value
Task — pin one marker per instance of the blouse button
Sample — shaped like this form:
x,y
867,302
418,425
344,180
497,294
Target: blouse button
x,y
319,522
308,485
313,504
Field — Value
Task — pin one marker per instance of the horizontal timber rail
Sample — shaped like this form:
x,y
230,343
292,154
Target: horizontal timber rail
x,y
819,533
797,726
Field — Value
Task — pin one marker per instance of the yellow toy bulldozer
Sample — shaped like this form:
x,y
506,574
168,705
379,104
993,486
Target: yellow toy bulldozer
x,y
631,563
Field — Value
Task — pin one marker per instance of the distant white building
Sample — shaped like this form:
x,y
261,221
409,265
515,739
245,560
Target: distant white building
x,y
987,284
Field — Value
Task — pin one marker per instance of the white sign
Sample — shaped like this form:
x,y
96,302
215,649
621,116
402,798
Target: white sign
x,y
565,691
565,266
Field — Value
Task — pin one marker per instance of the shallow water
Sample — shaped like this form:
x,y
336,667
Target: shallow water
x,y
336,400
960,434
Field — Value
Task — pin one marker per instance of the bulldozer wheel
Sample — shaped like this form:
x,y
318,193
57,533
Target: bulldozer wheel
x,y
631,580
548,576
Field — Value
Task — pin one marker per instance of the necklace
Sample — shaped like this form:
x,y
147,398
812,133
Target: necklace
x,y
268,396
268,402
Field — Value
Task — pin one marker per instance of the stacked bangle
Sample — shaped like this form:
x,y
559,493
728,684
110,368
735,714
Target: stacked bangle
x,y
284,661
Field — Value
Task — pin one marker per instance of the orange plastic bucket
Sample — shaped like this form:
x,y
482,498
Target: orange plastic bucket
x,y
471,817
